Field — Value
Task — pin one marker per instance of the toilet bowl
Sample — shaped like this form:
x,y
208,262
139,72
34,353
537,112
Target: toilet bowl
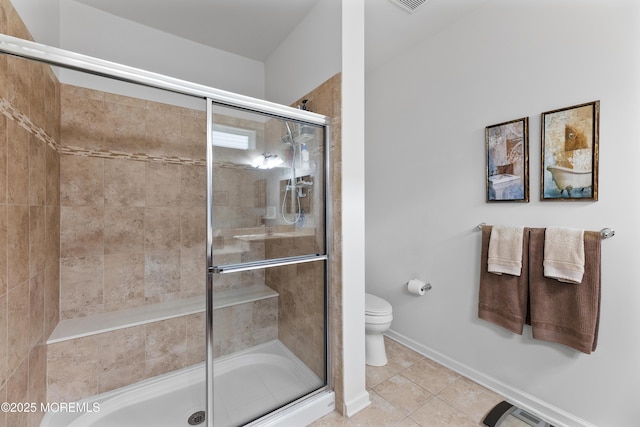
x,y
378,315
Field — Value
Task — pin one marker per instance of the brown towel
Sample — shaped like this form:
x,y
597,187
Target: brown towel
x,y
568,314
503,298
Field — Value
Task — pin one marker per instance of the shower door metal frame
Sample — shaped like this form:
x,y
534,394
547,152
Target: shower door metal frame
x,y
213,269
26,49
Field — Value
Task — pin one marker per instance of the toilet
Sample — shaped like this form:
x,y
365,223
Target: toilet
x,y
378,315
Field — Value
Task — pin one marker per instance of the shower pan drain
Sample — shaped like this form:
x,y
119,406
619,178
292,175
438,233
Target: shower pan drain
x,y
196,418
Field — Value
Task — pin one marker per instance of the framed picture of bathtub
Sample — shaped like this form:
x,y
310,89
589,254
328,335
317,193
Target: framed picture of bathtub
x,y
507,147
570,153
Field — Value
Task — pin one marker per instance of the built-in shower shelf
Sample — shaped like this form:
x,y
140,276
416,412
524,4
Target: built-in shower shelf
x,y
79,327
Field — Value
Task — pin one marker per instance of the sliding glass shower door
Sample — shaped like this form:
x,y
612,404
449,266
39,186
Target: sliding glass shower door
x,y
124,181
267,263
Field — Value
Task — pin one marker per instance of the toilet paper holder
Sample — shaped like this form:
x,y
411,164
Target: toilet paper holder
x,y
417,287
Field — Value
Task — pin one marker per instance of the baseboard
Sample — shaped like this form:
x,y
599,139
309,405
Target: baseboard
x,y
552,414
356,405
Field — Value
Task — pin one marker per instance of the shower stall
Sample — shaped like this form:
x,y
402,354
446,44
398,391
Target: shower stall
x,y
194,231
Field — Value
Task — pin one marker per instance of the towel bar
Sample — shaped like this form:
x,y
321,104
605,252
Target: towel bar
x,y
605,232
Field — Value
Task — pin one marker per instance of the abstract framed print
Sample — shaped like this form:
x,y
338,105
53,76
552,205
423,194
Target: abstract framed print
x,y
570,153
507,152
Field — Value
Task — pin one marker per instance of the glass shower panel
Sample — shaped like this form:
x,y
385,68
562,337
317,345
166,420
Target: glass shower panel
x,y
268,213
268,187
269,346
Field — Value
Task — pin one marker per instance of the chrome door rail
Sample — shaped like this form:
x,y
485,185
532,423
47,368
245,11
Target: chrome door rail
x,y
88,64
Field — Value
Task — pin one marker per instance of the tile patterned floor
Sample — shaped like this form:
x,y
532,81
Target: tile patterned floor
x,y
412,390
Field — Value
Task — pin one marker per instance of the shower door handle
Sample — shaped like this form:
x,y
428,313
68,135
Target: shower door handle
x,y
255,265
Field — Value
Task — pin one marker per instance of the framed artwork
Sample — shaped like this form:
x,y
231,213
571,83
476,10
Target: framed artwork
x,y
570,153
507,173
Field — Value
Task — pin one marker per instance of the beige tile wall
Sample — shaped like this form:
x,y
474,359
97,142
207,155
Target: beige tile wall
x,y
300,308
29,223
95,364
111,125
135,205
329,102
133,193
132,232
245,325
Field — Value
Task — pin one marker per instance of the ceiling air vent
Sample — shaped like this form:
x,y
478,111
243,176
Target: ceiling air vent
x,y
409,5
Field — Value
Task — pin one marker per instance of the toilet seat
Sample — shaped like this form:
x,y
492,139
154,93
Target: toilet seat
x,y
376,307
377,319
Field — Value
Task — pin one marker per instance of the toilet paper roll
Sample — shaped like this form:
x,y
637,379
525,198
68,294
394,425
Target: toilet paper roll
x,y
416,286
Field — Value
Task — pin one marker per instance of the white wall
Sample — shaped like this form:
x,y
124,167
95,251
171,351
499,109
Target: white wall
x,y
90,31
353,206
425,159
308,57
42,18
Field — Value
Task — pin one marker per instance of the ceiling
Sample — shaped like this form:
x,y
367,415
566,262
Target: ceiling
x,y
250,28
254,28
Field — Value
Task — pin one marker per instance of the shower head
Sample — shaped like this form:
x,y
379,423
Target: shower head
x,y
301,134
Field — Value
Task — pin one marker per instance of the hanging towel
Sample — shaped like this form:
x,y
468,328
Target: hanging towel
x,y
564,254
505,250
564,313
502,299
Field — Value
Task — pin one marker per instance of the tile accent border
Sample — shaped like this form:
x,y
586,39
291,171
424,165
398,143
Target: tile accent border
x,y
83,152
23,121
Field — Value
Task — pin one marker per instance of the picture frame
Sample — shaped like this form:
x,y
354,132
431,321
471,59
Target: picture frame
x,y
507,161
569,150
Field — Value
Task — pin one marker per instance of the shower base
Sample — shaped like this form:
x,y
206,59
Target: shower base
x,y
247,384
